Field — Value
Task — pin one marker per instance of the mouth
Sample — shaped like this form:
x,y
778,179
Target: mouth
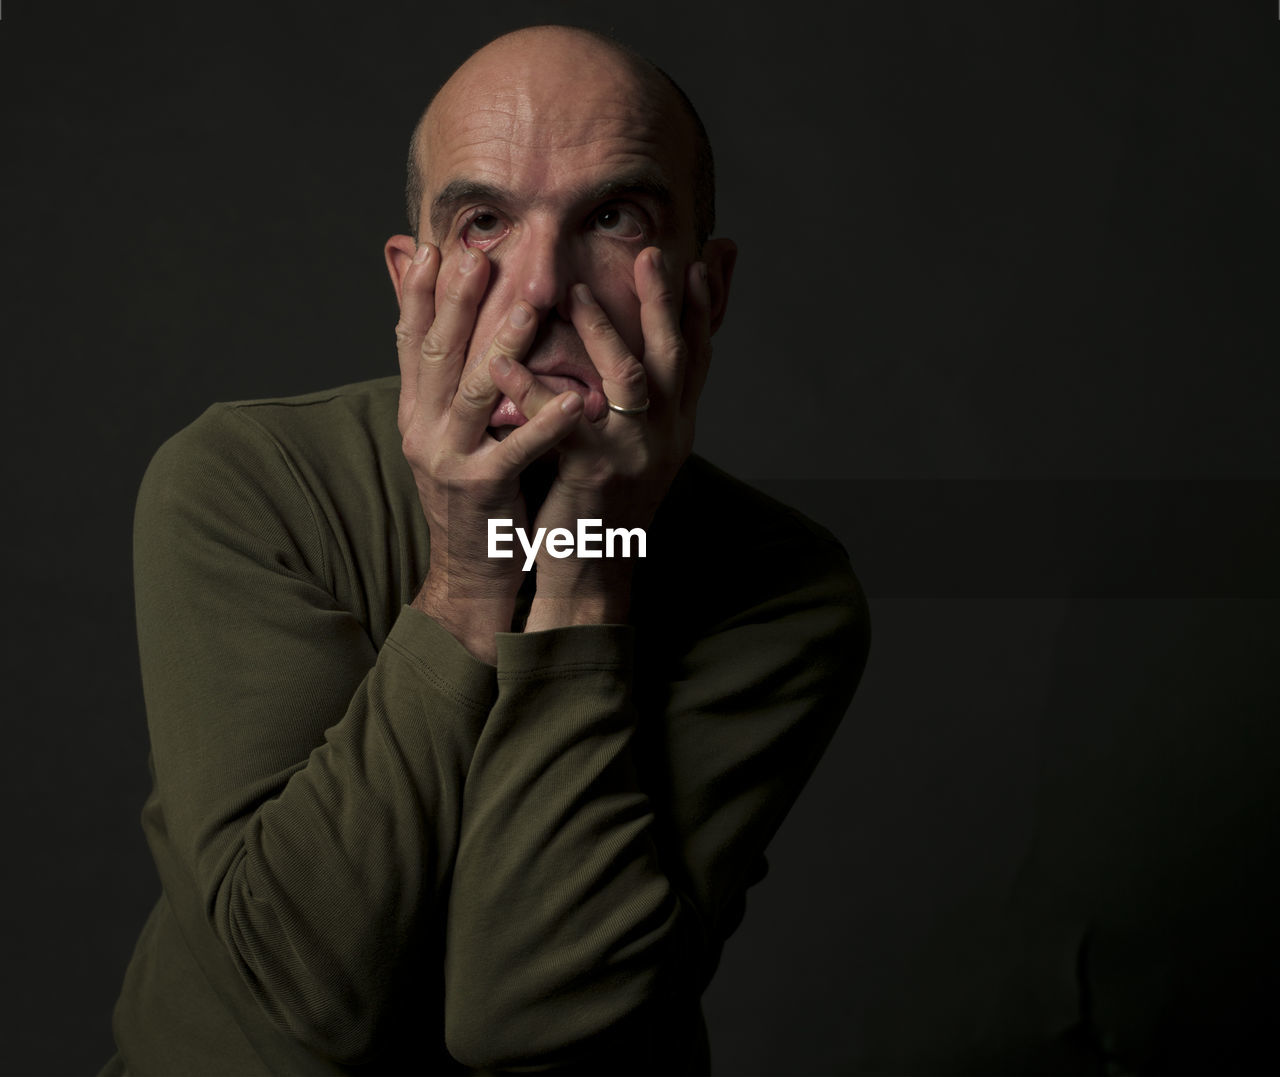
x,y
506,416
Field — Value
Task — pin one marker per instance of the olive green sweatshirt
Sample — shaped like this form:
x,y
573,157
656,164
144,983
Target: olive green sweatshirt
x,y
379,854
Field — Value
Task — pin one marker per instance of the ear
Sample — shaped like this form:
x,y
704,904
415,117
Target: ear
x,y
720,255
399,253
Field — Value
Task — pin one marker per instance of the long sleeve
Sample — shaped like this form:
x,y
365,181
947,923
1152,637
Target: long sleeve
x,y
308,775
381,855
618,807
561,922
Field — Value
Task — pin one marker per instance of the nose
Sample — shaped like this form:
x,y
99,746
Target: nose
x,y
542,268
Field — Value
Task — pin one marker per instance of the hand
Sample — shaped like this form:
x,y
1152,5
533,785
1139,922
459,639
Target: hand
x,y
620,468
464,476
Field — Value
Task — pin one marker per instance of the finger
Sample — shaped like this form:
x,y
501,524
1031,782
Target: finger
x,y
622,376
444,346
555,421
477,392
417,312
695,324
528,394
665,350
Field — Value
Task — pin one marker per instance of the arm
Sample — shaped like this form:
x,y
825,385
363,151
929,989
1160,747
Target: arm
x,y
308,780
594,885
619,804
309,756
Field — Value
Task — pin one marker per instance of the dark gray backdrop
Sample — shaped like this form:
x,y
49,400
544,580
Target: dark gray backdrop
x,y
1004,319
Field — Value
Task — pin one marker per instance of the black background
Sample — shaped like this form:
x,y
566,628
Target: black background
x,y
1032,244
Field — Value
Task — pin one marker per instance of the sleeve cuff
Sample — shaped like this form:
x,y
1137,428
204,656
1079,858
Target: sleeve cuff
x,y
452,669
557,651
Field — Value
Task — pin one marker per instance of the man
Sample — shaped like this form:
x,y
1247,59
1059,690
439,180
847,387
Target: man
x,y
416,810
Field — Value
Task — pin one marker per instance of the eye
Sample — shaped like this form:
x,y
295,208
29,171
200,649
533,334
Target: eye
x,y
618,222
483,228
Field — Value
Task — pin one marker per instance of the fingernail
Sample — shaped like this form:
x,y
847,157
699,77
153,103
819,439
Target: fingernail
x,y
502,363
571,403
658,261
420,255
469,261
520,316
701,270
582,293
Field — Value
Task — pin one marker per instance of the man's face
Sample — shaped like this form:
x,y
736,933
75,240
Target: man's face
x,y
560,167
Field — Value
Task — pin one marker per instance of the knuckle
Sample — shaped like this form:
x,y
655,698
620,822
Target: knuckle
x,y
677,347
411,442
471,396
405,336
502,346
457,289
434,350
632,378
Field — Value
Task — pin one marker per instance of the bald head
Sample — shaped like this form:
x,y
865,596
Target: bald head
x,y
562,62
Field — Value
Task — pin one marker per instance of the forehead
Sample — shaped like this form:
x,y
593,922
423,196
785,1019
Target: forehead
x,y
538,128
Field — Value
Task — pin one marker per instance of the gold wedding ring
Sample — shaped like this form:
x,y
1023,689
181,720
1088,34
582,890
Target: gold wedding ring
x,y
640,410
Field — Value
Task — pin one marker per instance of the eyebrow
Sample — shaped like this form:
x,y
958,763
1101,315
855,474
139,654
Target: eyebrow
x,y
459,192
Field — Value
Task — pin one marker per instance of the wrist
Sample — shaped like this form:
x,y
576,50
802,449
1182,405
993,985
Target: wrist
x,y
594,596
473,612
548,613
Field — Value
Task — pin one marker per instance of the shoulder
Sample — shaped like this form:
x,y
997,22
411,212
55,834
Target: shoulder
x,y
280,473
282,441
360,410
313,425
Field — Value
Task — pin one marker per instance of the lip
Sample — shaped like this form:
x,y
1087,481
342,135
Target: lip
x,y
555,381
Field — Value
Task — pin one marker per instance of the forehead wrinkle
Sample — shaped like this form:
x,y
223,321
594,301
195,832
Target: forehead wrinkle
x,y
551,127
524,157
542,132
535,113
